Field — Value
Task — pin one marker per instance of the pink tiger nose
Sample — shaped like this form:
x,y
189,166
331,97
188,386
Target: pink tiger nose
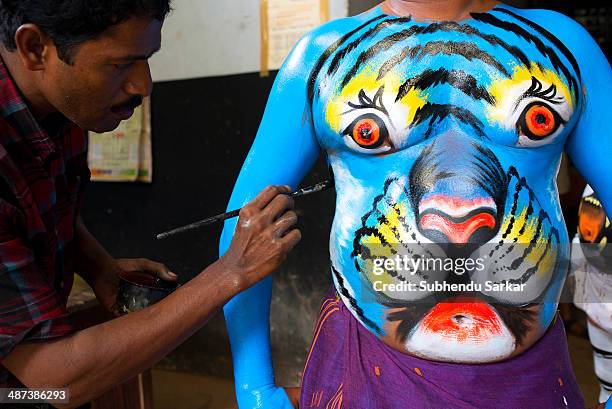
x,y
456,220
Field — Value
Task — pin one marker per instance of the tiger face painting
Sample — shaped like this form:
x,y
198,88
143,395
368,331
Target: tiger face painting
x,y
445,139
594,231
593,223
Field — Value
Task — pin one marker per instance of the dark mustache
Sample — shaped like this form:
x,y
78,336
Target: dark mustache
x,y
131,103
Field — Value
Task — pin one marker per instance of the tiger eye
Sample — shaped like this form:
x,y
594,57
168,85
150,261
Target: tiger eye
x,y
540,121
366,132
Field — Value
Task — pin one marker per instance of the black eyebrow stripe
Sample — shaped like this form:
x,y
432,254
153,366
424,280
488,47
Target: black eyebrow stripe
x,y
321,61
550,37
467,50
368,34
445,26
541,47
379,47
439,112
456,78
492,39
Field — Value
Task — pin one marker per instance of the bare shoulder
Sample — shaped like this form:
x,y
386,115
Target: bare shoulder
x,y
555,27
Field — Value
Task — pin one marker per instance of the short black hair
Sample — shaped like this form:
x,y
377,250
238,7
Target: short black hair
x,y
70,23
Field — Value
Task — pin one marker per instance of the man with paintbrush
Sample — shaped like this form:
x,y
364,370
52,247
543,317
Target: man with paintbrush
x,y
66,67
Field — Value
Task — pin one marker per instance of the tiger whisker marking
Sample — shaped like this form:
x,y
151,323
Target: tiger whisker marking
x,y
528,213
532,270
360,313
517,262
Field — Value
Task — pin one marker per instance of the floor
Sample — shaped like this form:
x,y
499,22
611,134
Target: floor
x,y
177,390
582,360
174,390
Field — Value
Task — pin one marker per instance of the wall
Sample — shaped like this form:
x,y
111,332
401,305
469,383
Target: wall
x,y
206,106
204,38
358,6
196,164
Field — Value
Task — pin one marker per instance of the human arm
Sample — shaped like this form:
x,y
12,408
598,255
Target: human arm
x,y
590,144
100,270
283,152
93,360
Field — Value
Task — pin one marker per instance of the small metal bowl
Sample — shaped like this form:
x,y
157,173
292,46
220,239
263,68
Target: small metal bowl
x,y
138,290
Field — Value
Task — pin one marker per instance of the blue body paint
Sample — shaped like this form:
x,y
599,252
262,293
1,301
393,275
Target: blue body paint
x,y
436,133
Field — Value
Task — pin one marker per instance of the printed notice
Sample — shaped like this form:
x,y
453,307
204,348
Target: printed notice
x,y
284,22
123,155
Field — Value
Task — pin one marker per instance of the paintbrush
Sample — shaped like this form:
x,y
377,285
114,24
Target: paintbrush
x,y
319,187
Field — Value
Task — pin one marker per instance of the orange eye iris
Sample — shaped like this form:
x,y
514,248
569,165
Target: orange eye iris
x,y
540,121
366,132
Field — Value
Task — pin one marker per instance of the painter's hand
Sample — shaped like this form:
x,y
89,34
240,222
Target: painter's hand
x,y
106,289
146,266
264,235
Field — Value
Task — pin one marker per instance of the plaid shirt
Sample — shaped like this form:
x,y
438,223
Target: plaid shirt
x,y
43,168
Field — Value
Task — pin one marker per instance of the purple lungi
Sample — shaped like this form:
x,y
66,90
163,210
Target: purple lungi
x,y
348,367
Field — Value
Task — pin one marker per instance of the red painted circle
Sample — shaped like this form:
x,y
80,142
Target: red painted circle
x,y
540,121
366,132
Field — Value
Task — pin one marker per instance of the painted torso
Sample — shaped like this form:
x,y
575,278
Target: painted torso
x,y
445,139
436,133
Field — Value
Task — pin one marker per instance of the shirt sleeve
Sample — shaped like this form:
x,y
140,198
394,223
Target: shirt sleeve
x,y
30,307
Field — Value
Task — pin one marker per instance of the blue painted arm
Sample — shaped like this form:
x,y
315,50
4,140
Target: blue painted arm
x,y
284,150
590,145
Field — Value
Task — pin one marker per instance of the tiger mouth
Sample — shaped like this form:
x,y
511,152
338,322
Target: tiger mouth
x,y
472,324
592,220
463,319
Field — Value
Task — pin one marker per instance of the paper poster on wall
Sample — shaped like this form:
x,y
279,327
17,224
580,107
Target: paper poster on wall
x,y
124,155
283,23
